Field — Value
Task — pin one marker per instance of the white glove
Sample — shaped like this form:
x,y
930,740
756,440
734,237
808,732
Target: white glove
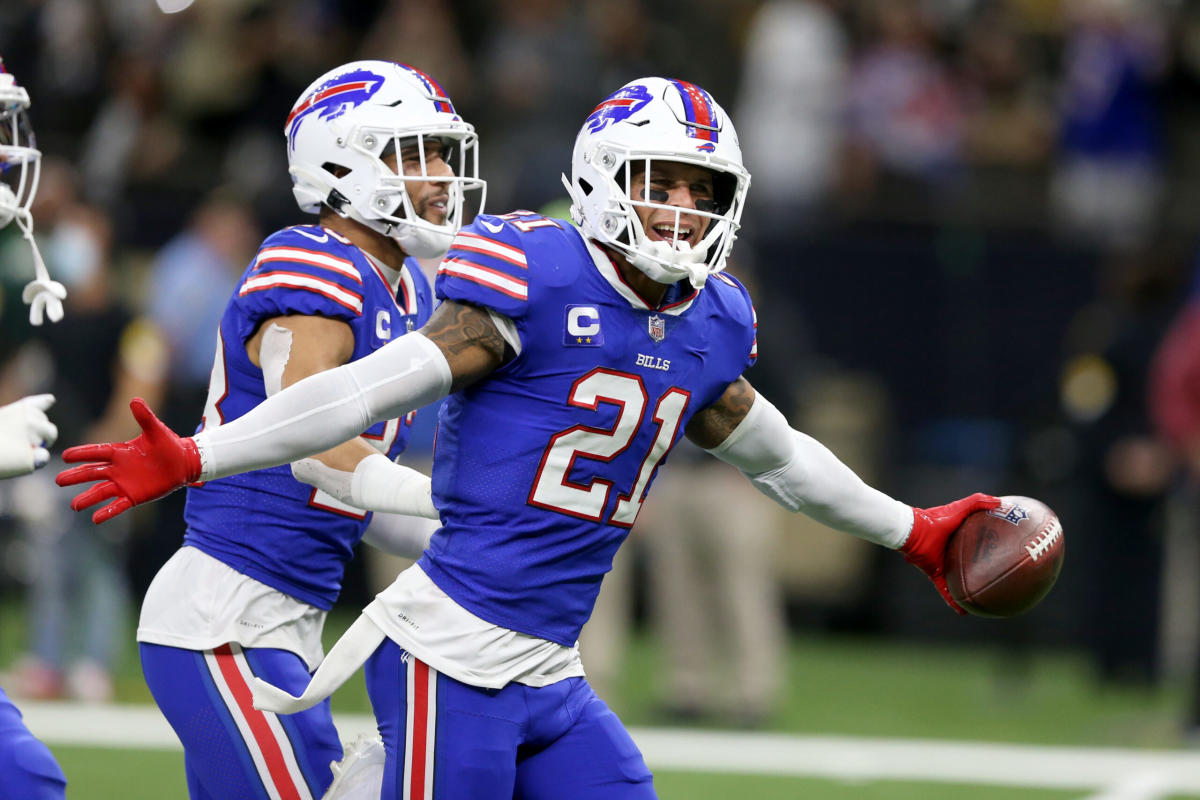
x,y
44,294
25,433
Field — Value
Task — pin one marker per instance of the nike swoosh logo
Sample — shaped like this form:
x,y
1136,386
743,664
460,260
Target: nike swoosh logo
x,y
491,226
324,237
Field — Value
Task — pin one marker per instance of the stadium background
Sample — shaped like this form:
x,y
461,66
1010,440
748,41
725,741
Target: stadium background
x,y
974,279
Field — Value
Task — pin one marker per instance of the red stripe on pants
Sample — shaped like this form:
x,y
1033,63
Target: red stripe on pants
x,y
419,745
272,755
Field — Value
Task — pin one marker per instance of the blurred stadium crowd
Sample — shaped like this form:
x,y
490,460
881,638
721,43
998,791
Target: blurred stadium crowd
x,y
972,224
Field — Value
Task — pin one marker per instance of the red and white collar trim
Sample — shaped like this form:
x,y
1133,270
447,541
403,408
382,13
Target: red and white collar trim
x,y
399,282
608,270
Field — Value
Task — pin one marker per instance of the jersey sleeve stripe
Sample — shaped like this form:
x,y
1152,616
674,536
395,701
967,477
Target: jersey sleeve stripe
x,y
295,280
481,244
754,347
493,279
310,257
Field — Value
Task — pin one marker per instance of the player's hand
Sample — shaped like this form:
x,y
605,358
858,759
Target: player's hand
x,y
25,433
926,544
146,468
44,296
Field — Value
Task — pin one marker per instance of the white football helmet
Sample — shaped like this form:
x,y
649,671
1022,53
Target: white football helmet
x,y
20,160
350,118
647,120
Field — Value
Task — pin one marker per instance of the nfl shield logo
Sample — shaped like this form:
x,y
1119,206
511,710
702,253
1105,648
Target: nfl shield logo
x,y
657,327
1009,512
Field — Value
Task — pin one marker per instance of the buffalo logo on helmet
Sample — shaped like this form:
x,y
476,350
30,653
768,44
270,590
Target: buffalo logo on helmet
x,y
332,99
619,107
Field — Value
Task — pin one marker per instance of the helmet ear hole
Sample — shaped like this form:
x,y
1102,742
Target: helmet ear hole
x,y
337,201
336,170
587,187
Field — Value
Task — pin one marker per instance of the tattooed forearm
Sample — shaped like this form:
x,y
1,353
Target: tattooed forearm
x,y
712,425
468,338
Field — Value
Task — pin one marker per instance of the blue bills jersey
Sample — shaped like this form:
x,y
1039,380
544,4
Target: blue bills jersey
x,y
540,469
265,523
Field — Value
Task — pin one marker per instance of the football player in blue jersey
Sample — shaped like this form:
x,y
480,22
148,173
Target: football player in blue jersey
x,y
574,358
28,770
377,150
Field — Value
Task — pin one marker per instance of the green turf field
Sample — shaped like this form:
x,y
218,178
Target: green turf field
x,y
97,774
837,686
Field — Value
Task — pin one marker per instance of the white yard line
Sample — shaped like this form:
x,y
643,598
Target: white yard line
x,y
1115,773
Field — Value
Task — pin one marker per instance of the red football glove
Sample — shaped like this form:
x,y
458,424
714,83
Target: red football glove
x,y
925,547
143,469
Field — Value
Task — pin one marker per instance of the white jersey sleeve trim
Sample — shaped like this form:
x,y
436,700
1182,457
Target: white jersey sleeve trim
x,y
507,329
328,408
801,474
274,354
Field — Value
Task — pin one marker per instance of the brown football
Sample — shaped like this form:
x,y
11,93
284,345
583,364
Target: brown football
x,y
1002,562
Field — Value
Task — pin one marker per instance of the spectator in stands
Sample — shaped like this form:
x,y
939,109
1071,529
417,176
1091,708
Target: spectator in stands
x,y
1175,405
1107,184
904,115
94,360
794,71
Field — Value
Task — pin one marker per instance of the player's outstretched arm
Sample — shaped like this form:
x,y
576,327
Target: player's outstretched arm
x,y
801,474
473,347
459,345
293,347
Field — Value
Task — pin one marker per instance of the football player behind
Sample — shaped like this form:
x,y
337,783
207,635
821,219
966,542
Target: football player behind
x,y
28,770
377,150
574,359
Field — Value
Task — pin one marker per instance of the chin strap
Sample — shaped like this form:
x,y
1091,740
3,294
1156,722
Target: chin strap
x,y
420,242
668,264
42,294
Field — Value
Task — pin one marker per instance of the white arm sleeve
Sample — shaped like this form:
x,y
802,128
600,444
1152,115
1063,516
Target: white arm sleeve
x,y
328,408
399,534
801,474
376,484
